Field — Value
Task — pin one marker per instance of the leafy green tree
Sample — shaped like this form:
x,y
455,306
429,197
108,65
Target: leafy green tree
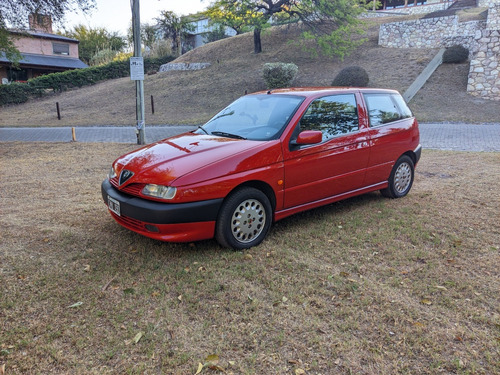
x,y
232,14
149,35
174,28
93,40
7,46
327,23
218,32
15,13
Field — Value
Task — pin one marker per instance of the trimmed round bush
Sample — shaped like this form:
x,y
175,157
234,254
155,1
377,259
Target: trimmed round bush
x,y
456,54
352,76
279,75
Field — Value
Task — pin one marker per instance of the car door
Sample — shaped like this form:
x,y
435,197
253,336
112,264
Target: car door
x,y
334,166
392,128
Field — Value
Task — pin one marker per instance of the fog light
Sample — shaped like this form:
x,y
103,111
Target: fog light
x,y
151,228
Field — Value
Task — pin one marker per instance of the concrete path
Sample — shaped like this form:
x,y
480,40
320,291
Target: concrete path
x,y
112,134
456,137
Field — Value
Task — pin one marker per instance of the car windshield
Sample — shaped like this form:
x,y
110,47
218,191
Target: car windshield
x,y
255,117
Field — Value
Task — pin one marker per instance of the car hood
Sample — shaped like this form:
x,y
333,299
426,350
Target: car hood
x,y
166,161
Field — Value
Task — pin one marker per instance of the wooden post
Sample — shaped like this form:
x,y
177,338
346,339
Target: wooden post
x,y
58,111
73,134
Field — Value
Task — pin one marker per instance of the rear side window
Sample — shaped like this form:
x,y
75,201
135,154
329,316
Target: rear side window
x,y
386,108
332,115
403,107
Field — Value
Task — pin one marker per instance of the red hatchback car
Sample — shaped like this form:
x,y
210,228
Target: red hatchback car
x,y
266,156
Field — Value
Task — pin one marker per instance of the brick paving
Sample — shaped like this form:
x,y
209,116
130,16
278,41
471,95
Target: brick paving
x,y
460,137
456,137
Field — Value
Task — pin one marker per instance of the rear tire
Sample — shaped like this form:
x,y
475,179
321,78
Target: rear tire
x,y
400,179
244,219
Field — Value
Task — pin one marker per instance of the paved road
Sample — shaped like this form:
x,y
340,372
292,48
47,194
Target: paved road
x,y
456,137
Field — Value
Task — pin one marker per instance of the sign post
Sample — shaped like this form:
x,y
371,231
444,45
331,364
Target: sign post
x,y
137,73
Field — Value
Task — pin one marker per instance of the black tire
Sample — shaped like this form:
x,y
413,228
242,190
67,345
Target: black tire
x,y
244,219
401,178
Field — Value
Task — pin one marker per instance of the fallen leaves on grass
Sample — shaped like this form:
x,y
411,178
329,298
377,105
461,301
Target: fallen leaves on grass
x,y
211,362
138,337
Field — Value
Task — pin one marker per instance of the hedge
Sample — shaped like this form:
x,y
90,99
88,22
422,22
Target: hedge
x,y
16,93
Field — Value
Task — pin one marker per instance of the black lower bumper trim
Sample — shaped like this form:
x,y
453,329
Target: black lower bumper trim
x,y
418,153
162,213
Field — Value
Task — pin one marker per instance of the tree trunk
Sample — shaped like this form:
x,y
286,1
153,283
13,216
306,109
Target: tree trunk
x,y
257,45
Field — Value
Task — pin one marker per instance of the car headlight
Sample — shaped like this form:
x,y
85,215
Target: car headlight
x,y
159,191
111,173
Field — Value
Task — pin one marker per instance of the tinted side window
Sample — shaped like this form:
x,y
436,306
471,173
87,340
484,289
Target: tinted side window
x,y
381,109
332,115
403,107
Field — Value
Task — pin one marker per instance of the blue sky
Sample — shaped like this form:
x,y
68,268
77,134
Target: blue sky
x,y
115,15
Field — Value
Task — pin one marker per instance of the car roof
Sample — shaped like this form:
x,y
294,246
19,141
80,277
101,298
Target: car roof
x,y
314,91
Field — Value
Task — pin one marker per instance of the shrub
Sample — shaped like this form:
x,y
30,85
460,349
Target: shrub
x,y
456,54
351,76
279,75
16,93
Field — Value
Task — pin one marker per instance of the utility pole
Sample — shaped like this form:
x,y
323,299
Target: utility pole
x,y
137,73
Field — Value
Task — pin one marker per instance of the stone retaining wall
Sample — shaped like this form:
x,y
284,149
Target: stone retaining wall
x,y
487,3
484,73
493,21
431,33
183,66
482,38
420,9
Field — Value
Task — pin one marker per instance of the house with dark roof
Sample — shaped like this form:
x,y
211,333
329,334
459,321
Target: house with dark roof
x,y
42,52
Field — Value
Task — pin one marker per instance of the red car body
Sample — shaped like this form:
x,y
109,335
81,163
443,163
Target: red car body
x,y
296,170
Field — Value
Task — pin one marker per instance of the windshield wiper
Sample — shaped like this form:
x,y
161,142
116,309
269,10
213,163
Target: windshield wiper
x,y
203,129
228,135
221,115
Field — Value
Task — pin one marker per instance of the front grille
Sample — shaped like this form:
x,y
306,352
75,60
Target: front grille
x,y
132,189
114,181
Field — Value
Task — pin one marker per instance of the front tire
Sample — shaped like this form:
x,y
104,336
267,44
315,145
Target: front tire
x,y
244,219
401,178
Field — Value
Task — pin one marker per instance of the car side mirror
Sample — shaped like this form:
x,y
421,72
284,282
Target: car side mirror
x,y
308,137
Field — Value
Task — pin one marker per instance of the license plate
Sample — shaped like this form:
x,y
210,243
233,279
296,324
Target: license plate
x,y
114,205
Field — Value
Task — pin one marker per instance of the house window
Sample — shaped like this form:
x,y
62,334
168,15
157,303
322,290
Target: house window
x,y
15,75
60,49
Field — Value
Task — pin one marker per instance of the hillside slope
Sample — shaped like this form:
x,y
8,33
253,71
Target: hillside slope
x,y
192,97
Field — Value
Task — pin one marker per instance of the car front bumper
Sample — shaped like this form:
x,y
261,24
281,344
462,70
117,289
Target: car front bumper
x,y
175,222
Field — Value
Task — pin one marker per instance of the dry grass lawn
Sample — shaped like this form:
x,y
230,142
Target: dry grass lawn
x,y
365,286
192,97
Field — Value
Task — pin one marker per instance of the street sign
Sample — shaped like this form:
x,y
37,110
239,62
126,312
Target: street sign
x,y
137,69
